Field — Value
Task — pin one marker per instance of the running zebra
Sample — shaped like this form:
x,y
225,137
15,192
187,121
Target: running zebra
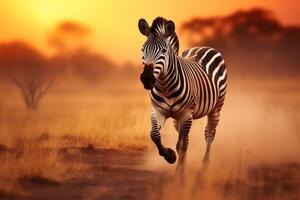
x,y
184,87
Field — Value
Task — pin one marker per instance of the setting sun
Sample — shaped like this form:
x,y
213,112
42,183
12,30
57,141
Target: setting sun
x,y
114,23
50,13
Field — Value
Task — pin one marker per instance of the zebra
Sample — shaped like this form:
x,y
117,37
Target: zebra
x,y
183,88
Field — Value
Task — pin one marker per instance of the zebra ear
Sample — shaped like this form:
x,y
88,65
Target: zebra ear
x,y
170,28
144,27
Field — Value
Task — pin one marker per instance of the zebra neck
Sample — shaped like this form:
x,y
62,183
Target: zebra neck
x,y
174,43
171,78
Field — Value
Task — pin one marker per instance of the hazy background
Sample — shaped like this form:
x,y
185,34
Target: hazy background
x,y
113,24
69,79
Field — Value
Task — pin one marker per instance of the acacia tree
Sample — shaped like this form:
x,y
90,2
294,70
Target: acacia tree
x,y
90,66
253,42
28,69
68,36
73,53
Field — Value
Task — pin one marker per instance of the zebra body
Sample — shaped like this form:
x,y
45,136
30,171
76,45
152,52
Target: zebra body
x,y
205,84
184,87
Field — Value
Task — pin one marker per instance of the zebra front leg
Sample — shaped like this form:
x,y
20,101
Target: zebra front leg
x,y
157,121
183,141
210,132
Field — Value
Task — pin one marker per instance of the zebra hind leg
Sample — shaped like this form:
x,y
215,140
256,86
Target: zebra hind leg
x,y
209,137
210,132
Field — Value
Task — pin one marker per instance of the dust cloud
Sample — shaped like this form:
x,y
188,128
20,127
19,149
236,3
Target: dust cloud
x,y
254,153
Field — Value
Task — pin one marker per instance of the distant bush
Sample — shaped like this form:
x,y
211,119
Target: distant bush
x,y
254,42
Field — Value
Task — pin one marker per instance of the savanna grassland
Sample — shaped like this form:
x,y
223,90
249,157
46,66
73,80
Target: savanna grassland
x,y
92,142
73,119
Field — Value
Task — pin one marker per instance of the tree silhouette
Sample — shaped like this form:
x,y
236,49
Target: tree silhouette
x,y
254,42
90,66
27,69
68,36
74,55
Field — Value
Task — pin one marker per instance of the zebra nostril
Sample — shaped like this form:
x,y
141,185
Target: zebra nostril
x,y
148,66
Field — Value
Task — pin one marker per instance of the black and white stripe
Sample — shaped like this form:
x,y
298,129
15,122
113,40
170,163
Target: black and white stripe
x,y
186,88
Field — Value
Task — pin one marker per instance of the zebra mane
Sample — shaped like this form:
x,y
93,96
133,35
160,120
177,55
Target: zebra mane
x,y
158,29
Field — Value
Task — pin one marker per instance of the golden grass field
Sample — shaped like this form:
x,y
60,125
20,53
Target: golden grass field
x,y
93,143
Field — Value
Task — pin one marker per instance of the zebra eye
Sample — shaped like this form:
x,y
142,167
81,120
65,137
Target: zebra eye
x,y
164,50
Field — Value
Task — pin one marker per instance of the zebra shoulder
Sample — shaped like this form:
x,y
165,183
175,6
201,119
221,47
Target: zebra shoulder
x,y
189,52
194,53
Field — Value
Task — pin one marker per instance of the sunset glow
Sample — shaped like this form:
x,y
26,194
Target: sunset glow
x,y
114,23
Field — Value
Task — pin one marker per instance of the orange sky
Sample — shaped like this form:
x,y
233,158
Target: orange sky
x,y
114,23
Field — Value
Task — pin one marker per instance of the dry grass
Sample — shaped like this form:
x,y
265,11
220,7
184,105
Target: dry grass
x,y
106,120
31,142
258,126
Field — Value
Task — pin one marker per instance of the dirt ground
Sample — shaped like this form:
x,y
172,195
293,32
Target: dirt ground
x,y
113,174
106,174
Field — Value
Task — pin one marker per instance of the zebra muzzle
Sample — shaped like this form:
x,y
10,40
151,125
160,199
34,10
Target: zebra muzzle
x,y
147,77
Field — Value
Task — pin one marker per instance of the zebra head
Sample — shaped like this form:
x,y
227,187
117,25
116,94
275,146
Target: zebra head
x,y
156,48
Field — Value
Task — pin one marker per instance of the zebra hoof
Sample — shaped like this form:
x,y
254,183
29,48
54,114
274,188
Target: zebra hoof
x,y
170,156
